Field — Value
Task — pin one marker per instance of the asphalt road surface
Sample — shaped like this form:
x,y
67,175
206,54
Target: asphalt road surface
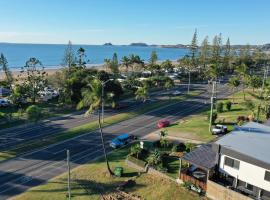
x,y
32,169
11,137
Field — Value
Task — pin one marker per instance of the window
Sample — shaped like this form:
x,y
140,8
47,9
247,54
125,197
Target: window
x,y
267,176
249,187
232,163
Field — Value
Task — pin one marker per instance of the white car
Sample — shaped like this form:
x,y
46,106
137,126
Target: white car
x,y
219,129
4,102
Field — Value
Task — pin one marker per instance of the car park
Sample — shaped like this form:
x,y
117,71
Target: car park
x,y
219,129
163,123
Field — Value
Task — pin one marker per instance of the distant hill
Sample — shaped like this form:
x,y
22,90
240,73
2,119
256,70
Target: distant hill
x,y
108,44
140,44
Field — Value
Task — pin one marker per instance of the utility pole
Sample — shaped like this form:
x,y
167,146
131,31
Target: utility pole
x,y
188,81
212,106
68,165
102,99
265,76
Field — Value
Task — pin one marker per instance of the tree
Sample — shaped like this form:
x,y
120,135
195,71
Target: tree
x,y
81,54
227,57
217,50
126,62
169,84
33,77
18,95
220,107
228,105
204,52
243,76
194,49
135,150
167,66
34,113
234,83
69,56
250,105
107,63
255,82
92,98
155,158
114,64
142,93
7,72
153,58
213,72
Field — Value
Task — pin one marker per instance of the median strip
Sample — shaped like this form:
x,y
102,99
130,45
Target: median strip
x,y
89,127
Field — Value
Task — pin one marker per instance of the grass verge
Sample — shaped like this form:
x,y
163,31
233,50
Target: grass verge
x,y
79,130
91,180
196,127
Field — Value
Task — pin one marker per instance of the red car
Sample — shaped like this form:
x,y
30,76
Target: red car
x,y
163,123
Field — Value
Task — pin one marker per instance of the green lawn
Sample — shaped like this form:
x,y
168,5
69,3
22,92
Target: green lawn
x,y
196,127
75,131
91,180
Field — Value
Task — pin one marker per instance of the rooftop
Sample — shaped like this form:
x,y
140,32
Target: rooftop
x,y
203,157
252,139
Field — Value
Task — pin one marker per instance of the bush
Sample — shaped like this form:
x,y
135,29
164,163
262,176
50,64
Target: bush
x,y
190,147
214,116
220,107
175,148
34,113
228,105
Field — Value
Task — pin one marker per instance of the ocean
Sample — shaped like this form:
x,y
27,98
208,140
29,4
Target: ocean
x,y
51,55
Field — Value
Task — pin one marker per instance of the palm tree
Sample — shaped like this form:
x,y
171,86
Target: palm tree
x,y
234,83
135,150
126,62
142,94
92,97
107,63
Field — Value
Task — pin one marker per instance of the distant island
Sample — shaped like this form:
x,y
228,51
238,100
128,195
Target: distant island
x,y
108,44
139,44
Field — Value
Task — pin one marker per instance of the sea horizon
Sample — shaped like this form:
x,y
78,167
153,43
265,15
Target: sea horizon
x,y
51,55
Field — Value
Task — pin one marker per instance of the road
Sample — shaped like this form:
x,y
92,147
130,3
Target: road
x,y
35,168
10,138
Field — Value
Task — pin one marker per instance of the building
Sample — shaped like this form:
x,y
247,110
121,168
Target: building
x,y
237,166
244,159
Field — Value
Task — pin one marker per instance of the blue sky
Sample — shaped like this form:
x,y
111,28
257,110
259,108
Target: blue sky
x,y
126,21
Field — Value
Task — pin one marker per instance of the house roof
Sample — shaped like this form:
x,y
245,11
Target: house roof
x,y
252,140
204,157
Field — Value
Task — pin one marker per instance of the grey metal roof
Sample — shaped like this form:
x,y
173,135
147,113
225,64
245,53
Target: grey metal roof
x,y
203,156
252,139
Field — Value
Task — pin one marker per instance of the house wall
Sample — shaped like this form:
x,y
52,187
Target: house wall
x,y
247,172
219,192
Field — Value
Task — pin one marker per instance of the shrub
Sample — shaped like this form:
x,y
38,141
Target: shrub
x,y
220,107
228,105
34,113
190,147
175,148
214,116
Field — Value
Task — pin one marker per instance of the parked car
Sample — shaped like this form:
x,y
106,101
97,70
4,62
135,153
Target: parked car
x,y
121,140
4,103
219,129
163,123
